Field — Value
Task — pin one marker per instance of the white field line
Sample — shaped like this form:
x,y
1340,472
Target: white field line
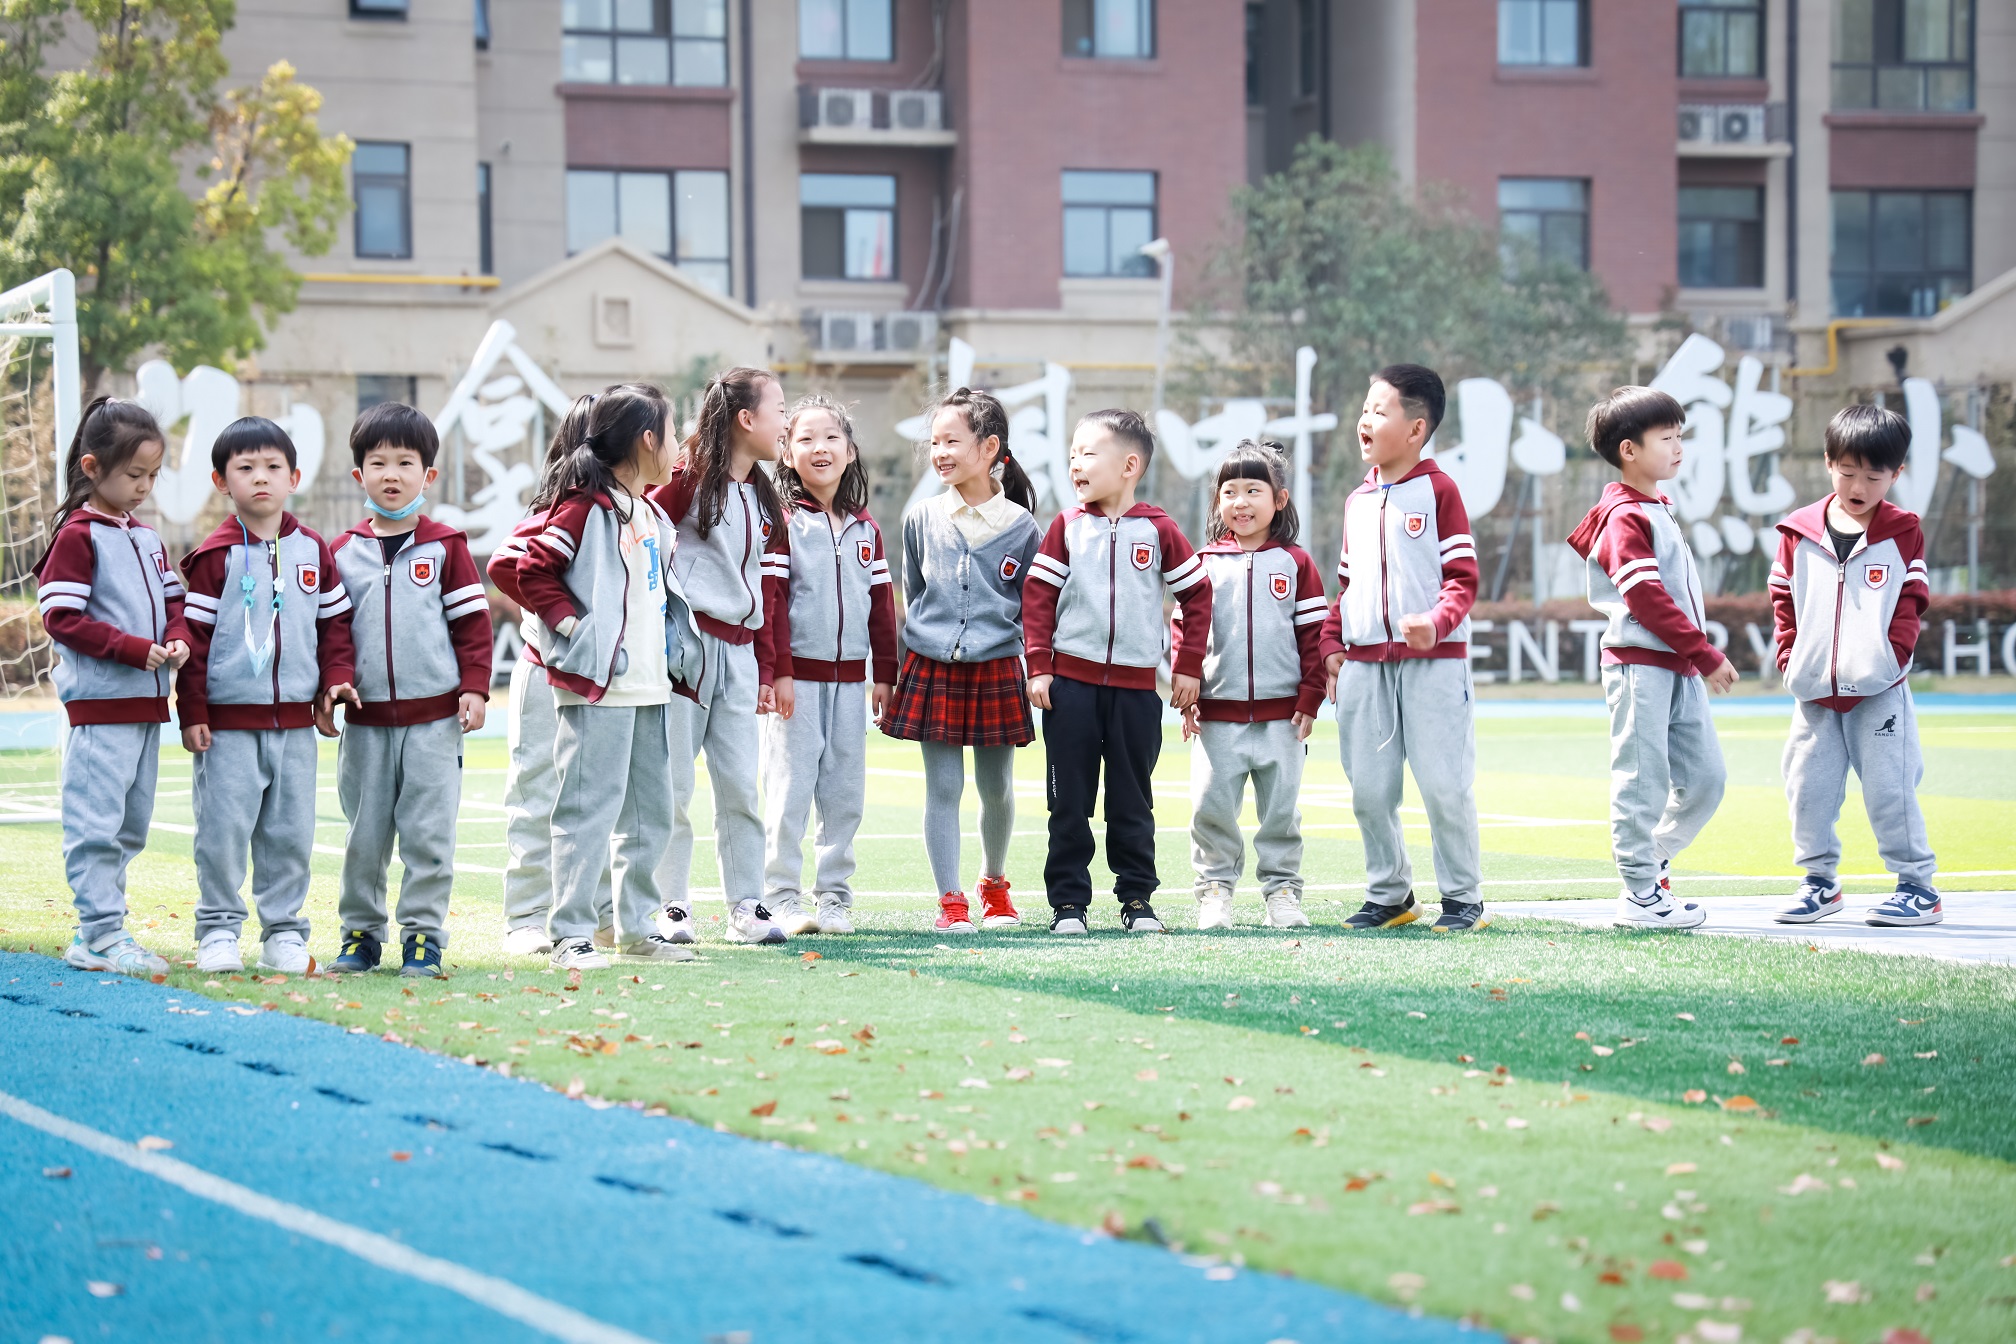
x,y
502,1296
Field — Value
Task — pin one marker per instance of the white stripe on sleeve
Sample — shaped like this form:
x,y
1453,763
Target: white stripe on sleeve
x,y
61,602
1460,539
1640,577
469,608
1051,565
1460,553
52,587
1315,617
1185,585
1624,570
556,537
460,595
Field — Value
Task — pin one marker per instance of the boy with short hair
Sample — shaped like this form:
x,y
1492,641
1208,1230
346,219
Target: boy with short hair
x,y
1848,591
1092,623
1666,771
421,623
1396,656
269,637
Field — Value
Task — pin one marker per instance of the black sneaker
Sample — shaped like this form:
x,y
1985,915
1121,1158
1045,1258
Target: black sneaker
x,y
1068,919
361,952
1461,917
422,959
1373,915
1139,917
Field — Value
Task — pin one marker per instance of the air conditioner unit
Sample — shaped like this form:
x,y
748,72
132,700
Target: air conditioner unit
x,y
916,110
845,332
847,109
911,333
1697,124
1740,125
1750,331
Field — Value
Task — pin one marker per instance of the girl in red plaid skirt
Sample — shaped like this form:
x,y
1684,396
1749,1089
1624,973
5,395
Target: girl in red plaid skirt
x,y
965,554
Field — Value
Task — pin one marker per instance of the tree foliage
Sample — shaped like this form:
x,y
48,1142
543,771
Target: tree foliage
x,y
121,159
1336,253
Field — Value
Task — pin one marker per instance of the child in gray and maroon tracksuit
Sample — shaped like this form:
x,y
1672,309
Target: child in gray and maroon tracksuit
x,y
421,624
1848,592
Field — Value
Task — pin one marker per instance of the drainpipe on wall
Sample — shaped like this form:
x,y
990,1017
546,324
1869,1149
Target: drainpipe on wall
x,y
1792,159
748,158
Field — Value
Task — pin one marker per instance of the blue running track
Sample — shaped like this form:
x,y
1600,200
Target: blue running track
x,y
279,1212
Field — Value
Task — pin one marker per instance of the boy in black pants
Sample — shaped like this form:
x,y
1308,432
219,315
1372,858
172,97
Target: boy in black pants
x,y
1092,622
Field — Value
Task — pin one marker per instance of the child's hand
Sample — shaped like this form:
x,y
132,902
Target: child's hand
x,y
157,654
766,700
1039,691
1305,724
196,737
178,653
1183,691
471,709
1723,677
1189,723
566,626
881,696
325,717
1418,631
784,696
1330,666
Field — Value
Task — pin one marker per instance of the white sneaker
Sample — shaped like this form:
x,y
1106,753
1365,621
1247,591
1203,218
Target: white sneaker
x,y
654,947
749,922
675,923
833,915
1068,922
605,937
286,953
125,956
1214,907
219,952
527,940
1284,909
1656,909
792,916
577,954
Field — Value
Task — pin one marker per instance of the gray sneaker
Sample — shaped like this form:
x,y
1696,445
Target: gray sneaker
x,y
833,915
1284,909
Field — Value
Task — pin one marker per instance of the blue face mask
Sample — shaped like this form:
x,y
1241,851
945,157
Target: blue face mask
x,y
395,515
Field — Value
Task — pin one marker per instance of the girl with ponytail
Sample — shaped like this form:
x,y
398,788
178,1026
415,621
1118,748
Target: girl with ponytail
x,y
965,555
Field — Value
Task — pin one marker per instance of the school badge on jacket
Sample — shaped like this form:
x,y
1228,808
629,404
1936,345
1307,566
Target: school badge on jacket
x,y
1416,523
1143,555
422,569
1875,575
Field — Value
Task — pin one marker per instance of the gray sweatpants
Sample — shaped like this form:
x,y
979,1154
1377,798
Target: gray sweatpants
x,y
109,771
723,724
1878,740
254,788
944,786
530,723
402,784
612,768
1222,758
1666,771
1414,712
816,759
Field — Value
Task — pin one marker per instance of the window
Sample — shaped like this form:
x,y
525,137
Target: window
x,y
1722,39
1256,36
846,30
1900,253
1543,32
375,389
485,259
1112,29
1107,217
381,175
1904,55
377,9
1308,48
1549,215
847,225
680,216
1722,237
644,42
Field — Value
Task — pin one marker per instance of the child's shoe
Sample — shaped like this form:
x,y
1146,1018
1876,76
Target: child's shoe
x,y
125,956
1373,915
833,914
286,953
528,940
1654,909
1139,917
1815,900
577,954
421,958
1461,917
361,952
654,947
996,910
1068,919
1911,904
1214,906
675,923
954,915
218,952
794,918
1284,909
749,922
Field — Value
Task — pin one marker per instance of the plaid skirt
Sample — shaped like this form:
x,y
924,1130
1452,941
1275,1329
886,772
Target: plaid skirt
x,y
962,704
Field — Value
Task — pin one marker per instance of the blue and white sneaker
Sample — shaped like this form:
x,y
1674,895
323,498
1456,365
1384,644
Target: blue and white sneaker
x,y
421,958
1815,900
1911,904
1656,909
125,956
361,953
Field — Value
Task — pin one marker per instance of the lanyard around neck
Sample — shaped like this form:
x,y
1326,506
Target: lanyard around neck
x,y
258,654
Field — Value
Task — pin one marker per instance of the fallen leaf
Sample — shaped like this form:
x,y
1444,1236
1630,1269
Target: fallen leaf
x,y
1901,1334
1019,1075
1693,1302
1914,1121
1434,1206
1889,1163
1682,1169
1718,1332
1847,1292
56,1173
808,956
1693,1096
1053,1063
1522,1291
1740,1103
866,1034
1113,1225
1872,1058
1601,1050
151,1143
766,1108
1437,1178
1667,1269
1788,1040
1925,1054
981,1083
1801,1184
1623,1332
1736,1067
1145,1076
1685,1017
1240,1104
1514,1122
1570,1302
1544,1210
1657,1124
1144,1162
401,1155
100,1288
1926,1292
1611,1277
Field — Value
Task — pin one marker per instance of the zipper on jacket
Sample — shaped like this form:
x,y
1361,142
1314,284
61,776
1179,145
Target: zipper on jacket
x,y
839,598
748,538
391,678
1385,609
1250,636
622,626
1112,595
1834,648
160,627
273,548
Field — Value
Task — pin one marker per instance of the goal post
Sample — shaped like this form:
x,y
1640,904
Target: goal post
x,y
46,309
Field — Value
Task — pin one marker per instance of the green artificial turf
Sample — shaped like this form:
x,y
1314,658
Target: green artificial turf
x,y
1300,1101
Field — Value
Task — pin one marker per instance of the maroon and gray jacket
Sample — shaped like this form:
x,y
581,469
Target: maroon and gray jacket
x,y
841,603
420,624
738,576
108,594
1262,660
1642,578
1092,606
503,571
1846,629
1407,551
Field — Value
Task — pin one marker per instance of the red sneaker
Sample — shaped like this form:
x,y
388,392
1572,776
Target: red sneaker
x,y
997,911
953,914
